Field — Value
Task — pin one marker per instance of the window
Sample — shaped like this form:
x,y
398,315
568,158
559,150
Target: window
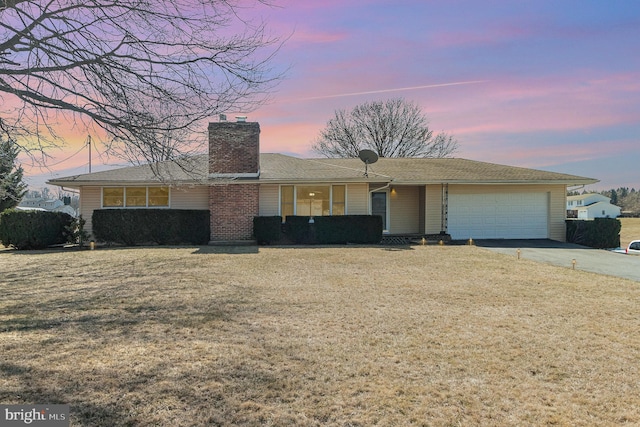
x,y
113,197
312,200
338,200
135,197
159,196
286,200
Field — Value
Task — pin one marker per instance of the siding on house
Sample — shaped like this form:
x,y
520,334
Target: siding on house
x,y
422,207
357,199
269,200
433,209
404,210
90,200
557,212
195,197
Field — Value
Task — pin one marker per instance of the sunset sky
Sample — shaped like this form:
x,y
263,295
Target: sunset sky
x,y
552,85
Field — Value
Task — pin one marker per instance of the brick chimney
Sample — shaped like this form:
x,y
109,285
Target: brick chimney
x,y
234,149
234,167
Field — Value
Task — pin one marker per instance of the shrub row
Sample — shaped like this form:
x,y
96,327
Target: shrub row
x,y
267,229
34,229
365,229
143,226
601,233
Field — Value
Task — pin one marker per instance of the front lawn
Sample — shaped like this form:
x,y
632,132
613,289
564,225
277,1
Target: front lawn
x,y
345,336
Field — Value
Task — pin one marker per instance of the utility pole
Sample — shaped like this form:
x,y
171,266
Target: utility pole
x,y
89,144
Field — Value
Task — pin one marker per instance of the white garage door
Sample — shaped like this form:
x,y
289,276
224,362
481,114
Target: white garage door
x,y
499,216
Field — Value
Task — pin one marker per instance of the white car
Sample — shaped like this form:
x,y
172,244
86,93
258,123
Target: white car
x,y
633,248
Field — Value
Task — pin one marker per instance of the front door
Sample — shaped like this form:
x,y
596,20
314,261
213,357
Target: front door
x,y
379,207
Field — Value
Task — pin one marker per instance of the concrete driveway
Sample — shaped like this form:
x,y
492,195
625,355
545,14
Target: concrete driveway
x,y
551,252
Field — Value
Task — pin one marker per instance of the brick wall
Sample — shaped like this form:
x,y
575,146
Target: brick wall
x,y
234,148
232,208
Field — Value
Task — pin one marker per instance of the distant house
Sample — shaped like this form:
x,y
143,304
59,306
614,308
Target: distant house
x,y
424,196
590,206
42,204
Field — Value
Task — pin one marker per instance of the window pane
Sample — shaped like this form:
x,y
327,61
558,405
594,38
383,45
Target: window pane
x,y
312,200
286,201
338,200
158,196
113,197
136,196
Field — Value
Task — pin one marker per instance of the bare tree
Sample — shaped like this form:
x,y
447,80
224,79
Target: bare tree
x,y
144,73
392,128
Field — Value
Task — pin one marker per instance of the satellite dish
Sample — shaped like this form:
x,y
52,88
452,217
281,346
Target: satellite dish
x,y
368,157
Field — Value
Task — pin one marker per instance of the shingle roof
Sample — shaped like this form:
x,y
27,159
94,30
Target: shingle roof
x,y
279,168
189,170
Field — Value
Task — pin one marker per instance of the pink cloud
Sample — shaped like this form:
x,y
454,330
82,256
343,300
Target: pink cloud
x,y
554,104
300,37
290,138
488,36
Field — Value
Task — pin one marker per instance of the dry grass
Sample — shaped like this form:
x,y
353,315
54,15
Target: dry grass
x,y
348,336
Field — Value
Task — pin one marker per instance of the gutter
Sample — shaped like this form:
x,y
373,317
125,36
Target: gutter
x,y
384,187
74,191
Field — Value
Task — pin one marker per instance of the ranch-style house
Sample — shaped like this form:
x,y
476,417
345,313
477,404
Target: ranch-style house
x,y
414,196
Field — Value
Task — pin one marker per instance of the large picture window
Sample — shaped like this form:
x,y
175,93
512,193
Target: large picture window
x,y
113,197
286,200
158,196
135,197
312,200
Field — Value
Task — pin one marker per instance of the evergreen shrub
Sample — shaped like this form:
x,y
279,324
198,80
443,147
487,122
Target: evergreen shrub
x,y
339,229
33,229
267,229
143,226
601,233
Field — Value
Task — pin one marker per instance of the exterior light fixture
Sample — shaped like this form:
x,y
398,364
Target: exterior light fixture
x,y
311,195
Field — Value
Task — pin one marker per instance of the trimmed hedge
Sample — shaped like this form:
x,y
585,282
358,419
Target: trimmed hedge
x,y
298,230
142,226
339,229
348,229
33,229
601,233
267,229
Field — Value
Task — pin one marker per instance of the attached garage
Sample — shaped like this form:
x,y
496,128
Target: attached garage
x,y
499,216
